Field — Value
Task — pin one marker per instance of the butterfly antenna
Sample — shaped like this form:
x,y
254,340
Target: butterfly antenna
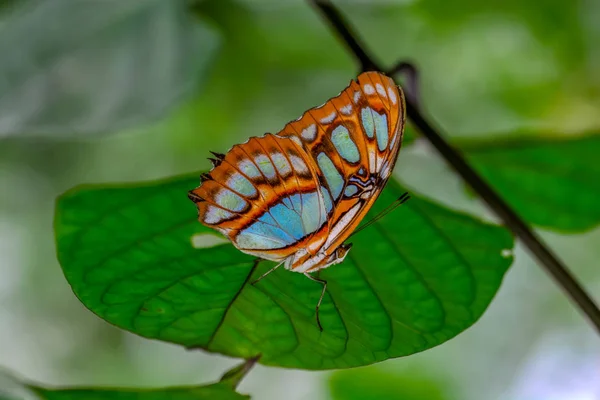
x,y
398,202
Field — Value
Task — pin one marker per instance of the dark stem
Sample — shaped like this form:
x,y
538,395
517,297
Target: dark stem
x,y
335,18
411,84
547,259
234,376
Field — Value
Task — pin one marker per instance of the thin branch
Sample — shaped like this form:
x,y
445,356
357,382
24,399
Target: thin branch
x,y
234,376
546,258
331,13
411,85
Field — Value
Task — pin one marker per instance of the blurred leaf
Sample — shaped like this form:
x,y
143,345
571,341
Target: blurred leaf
x,y
6,5
216,391
12,388
241,63
235,81
557,24
410,134
89,67
375,384
6,396
550,181
412,281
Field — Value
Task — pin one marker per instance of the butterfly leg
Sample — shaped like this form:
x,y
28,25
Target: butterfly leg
x,y
268,272
324,283
411,86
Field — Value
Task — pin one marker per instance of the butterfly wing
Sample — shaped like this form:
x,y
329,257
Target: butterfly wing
x,y
305,189
265,197
354,139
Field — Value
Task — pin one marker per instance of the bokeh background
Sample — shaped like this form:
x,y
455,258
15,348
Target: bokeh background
x,y
115,91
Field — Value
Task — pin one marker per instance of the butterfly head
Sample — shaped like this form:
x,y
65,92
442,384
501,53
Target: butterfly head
x,y
340,253
337,256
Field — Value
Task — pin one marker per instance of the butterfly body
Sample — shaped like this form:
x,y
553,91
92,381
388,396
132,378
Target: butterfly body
x,y
294,197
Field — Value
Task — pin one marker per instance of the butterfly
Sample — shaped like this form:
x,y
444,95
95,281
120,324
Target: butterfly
x,y
294,197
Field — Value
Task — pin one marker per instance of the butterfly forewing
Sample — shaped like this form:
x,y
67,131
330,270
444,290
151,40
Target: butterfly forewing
x,y
354,139
306,188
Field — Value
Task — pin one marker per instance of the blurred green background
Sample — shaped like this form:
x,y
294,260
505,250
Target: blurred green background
x,y
107,91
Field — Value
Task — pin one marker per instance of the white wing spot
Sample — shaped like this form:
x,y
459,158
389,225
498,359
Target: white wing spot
x,y
356,96
230,200
392,96
281,164
328,119
385,170
380,90
347,109
372,162
298,164
216,215
341,224
309,133
368,88
265,165
296,140
249,169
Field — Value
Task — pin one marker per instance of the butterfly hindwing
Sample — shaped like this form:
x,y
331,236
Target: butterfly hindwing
x,y
265,197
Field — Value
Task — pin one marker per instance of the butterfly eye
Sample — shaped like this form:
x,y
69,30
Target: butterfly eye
x,y
341,251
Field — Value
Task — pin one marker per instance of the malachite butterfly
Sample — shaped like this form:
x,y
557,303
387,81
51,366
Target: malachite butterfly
x,y
294,197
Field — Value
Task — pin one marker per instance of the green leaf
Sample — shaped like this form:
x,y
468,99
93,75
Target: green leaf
x,y
374,384
551,182
216,391
12,388
413,280
6,5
